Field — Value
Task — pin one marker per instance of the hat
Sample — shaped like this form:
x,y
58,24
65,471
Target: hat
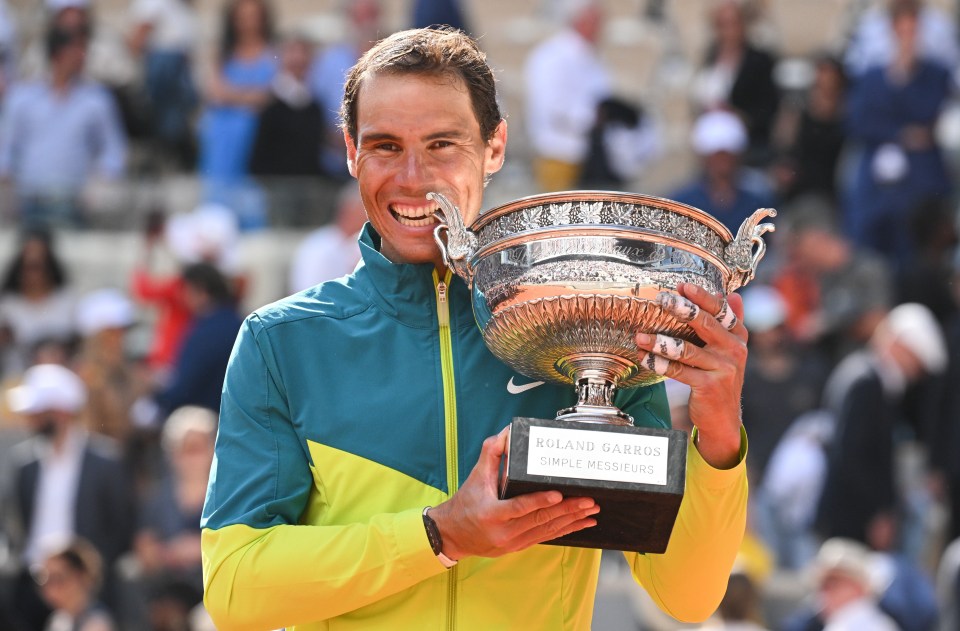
x,y
210,233
719,130
104,309
763,308
914,326
845,557
47,387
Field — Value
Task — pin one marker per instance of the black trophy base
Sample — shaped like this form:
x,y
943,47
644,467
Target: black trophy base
x,y
635,474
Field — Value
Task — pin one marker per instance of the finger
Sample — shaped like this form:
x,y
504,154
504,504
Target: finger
x,y
663,347
726,317
523,505
557,526
714,303
706,326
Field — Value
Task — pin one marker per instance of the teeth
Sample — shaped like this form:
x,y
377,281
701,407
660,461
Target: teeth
x,y
414,215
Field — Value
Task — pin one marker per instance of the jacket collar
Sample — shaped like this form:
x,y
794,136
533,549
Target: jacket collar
x,y
405,291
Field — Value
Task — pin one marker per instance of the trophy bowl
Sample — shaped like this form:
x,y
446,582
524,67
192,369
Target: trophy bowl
x,y
562,282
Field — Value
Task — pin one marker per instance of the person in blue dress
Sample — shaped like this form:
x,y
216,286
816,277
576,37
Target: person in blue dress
x,y
234,97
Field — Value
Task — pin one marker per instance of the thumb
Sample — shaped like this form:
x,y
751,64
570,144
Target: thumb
x,y
488,466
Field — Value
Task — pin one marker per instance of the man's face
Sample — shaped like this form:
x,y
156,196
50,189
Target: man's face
x,y
417,134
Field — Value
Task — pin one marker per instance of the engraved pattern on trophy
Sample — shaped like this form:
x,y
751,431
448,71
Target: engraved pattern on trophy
x,y
562,282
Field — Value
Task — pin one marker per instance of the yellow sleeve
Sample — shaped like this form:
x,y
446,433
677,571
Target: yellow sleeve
x,y
690,578
260,579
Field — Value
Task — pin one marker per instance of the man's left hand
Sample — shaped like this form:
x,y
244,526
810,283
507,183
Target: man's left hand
x,y
714,372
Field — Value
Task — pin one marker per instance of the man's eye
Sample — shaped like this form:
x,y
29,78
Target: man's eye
x,y
388,146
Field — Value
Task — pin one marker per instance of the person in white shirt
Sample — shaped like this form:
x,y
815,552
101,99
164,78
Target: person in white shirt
x,y
332,250
565,80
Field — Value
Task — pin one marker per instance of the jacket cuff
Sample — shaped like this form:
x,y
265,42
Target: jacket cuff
x,y
710,476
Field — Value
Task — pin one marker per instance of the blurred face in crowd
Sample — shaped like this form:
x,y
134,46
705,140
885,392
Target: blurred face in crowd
x,y
836,590
728,25
297,55
249,18
415,134
62,586
905,29
35,272
194,453
589,23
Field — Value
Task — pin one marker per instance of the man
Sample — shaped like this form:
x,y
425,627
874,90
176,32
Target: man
x,y
57,133
66,483
724,187
353,412
565,81
863,393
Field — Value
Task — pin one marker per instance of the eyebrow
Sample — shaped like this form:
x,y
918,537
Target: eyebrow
x,y
382,136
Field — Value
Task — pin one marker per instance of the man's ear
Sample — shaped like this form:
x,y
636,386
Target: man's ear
x,y
496,149
351,154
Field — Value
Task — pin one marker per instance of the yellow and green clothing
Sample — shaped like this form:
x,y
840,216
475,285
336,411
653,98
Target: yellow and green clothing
x,y
349,407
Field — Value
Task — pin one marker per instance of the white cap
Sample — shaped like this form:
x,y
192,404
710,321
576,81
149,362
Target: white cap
x,y
763,308
718,130
914,326
104,309
47,387
842,556
209,233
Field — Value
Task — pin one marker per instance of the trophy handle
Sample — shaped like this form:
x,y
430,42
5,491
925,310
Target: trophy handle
x,y
739,255
460,244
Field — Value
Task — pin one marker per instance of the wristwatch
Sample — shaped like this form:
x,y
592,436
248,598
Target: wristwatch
x,y
436,541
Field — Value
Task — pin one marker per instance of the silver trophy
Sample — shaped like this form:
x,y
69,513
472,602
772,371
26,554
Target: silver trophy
x,y
562,282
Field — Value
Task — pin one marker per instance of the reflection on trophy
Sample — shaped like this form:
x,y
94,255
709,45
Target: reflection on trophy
x,y
561,283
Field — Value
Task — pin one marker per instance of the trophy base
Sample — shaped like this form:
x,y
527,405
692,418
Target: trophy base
x,y
635,474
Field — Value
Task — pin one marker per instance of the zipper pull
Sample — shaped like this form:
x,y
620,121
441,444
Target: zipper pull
x,y
443,309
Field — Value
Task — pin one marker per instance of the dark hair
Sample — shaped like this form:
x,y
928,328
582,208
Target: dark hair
x,y
899,8
59,37
12,278
208,279
229,29
433,52
740,602
81,557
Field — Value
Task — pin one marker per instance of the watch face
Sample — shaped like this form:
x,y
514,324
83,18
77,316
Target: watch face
x,y
433,533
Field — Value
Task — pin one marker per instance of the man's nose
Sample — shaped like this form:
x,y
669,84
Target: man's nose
x,y
413,169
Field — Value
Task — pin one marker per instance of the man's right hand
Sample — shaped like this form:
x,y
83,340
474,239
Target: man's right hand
x,y
475,522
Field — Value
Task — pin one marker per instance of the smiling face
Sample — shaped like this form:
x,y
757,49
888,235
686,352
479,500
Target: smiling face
x,y
416,134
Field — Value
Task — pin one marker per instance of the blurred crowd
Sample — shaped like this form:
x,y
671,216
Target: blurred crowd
x,y
110,394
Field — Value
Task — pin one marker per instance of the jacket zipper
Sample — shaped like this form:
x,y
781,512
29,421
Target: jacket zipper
x,y
450,420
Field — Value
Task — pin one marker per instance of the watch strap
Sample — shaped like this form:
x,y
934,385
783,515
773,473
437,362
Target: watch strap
x,y
436,541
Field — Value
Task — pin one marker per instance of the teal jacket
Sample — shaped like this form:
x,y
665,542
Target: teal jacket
x,y
348,408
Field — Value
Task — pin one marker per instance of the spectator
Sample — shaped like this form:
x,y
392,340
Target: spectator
x,y
892,113
234,97
835,293
873,42
810,134
163,35
286,149
330,251
36,303
113,382
167,544
207,234
738,76
863,393
724,188
69,579
66,483
197,376
622,142
565,81
58,132
842,575
328,73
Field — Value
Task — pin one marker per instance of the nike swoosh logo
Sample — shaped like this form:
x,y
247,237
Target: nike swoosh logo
x,y
513,388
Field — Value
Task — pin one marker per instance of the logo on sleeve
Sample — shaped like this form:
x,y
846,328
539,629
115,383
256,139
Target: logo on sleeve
x,y
513,388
